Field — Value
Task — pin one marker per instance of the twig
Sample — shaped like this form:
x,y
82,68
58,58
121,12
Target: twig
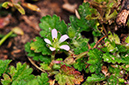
x,y
35,65
99,41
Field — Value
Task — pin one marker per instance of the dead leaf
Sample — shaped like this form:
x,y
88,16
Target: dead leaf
x,y
69,7
105,71
51,82
4,21
31,22
31,7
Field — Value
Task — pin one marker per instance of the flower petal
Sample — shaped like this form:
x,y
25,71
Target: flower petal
x,y
63,38
65,47
47,41
52,49
54,33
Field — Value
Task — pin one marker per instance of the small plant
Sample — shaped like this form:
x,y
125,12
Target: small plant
x,y
65,54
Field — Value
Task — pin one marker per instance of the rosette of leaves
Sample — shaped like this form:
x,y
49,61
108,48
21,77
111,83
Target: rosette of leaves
x,y
68,75
38,48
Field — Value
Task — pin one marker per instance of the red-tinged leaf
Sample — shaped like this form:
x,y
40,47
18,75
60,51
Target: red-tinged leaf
x,y
68,76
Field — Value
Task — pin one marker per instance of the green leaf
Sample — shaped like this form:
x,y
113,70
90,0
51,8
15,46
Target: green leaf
x,y
6,79
5,4
111,58
81,64
71,32
48,23
19,8
39,80
81,45
68,76
3,66
95,60
43,79
45,66
95,78
112,80
36,56
114,37
40,46
18,74
127,40
83,24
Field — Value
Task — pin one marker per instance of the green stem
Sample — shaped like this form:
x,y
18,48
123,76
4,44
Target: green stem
x,y
5,37
81,55
53,55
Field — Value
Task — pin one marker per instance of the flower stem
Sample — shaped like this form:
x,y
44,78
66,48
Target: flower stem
x,y
81,55
5,37
53,55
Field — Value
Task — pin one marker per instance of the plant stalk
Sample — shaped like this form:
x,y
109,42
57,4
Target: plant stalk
x,y
5,37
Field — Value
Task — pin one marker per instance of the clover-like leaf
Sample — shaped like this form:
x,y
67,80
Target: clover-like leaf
x,y
68,76
3,66
48,23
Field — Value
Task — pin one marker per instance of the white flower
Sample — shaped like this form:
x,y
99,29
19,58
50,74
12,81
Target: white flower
x,y
56,43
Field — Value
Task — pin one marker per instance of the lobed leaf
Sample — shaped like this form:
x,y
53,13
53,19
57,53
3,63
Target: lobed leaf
x,y
81,64
111,58
81,45
68,76
95,78
36,56
95,60
48,23
3,66
18,74
40,46
83,24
